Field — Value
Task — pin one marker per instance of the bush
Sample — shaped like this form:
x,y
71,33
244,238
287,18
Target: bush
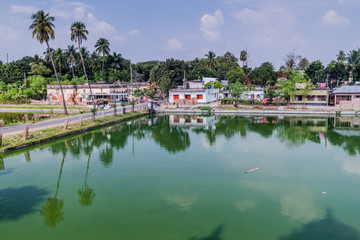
x,y
230,101
205,108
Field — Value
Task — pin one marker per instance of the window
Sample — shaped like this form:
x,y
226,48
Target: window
x,y
199,96
357,98
188,96
321,98
176,119
298,98
176,97
311,98
200,120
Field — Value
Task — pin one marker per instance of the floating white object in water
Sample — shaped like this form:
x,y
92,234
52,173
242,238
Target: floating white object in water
x,y
323,192
251,170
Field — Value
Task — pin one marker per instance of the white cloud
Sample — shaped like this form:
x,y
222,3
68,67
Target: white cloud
x,y
331,18
98,27
211,24
133,32
173,45
23,9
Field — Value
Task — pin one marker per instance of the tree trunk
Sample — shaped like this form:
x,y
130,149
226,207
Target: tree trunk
x,y
57,78
103,64
87,80
72,69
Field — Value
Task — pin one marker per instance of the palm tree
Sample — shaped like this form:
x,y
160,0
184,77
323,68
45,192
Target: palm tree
x,y
243,57
78,34
59,58
341,57
70,57
353,60
102,47
211,59
43,30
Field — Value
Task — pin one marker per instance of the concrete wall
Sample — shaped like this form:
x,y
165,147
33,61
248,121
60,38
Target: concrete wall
x,y
311,99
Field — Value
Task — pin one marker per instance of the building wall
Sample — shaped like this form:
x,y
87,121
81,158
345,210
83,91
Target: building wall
x,y
344,99
208,95
312,98
76,93
257,94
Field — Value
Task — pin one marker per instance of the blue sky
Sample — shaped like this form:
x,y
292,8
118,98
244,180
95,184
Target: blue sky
x,y
184,29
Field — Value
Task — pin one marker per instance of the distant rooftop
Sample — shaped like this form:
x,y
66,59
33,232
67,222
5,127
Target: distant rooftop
x,y
347,89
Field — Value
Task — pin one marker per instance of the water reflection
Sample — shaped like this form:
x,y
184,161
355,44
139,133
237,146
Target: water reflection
x,y
324,229
86,193
215,235
18,202
52,208
291,131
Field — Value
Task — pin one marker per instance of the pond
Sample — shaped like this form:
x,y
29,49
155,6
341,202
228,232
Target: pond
x,y
179,177
11,118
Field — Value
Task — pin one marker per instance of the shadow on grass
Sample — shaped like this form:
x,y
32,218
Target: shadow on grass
x,y
18,202
325,229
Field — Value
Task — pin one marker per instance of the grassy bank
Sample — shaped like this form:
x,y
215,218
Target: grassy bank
x,y
40,106
14,142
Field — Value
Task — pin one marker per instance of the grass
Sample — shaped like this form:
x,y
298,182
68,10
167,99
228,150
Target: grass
x,y
38,135
39,106
40,119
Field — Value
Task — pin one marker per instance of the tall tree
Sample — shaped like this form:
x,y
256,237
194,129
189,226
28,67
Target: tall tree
x,y
341,57
70,57
211,59
291,60
59,58
43,30
102,47
78,34
243,57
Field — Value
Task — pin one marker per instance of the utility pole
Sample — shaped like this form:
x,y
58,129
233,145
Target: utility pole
x,y
7,67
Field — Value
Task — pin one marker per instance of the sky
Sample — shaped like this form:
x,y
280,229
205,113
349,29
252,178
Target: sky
x,y
144,30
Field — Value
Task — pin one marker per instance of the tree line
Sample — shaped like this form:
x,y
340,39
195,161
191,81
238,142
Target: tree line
x,y
26,78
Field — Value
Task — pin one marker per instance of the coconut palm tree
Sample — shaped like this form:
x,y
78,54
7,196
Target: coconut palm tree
x,y
341,57
43,30
211,59
70,57
102,47
78,34
59,58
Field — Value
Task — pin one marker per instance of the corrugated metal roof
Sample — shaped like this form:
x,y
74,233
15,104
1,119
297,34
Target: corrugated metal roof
x,y
347,89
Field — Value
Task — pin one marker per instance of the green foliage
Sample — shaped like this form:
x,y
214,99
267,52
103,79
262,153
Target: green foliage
x,y
36,87
316,73
337,73
264,75
205,108
216,85
236,89
236,75
288,86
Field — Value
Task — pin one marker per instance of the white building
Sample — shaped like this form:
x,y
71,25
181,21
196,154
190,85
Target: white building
x,y
255,94
193,92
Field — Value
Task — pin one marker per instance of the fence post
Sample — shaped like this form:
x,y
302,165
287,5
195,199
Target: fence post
x,y
2,123
103,114
66,122
80,121
0,139
26,133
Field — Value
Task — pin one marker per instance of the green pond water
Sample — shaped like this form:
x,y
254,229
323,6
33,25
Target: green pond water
x,y
178,177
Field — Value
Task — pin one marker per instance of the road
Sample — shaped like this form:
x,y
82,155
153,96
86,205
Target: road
x,y
60,121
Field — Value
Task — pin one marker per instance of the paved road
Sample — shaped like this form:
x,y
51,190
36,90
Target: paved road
x,y
60,121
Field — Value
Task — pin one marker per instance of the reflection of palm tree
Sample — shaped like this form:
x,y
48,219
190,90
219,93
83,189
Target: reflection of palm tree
x,y
86,194
52,208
